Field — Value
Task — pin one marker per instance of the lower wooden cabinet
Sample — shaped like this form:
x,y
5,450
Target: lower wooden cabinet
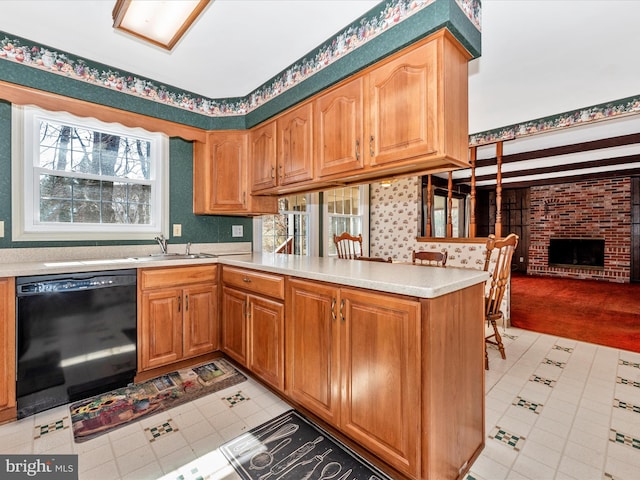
x,y
353,359
252,321
7,349
178,311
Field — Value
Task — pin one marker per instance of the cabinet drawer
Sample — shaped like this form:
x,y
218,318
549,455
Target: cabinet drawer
x,y
253,281
170,277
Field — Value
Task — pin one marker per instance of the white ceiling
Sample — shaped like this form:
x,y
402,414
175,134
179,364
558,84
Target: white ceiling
x,y
539,58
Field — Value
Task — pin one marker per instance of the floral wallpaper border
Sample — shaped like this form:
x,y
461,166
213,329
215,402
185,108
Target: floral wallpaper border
x,y
357,34
595,113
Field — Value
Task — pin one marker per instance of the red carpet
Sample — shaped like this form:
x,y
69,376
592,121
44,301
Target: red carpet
x,y
587,310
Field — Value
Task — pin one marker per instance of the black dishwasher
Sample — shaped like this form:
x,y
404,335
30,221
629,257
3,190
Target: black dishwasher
x,y
76,337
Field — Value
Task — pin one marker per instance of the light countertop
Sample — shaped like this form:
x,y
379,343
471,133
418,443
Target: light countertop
x,y
411,280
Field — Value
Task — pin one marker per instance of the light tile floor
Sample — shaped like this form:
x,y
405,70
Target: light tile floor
x,y
555,409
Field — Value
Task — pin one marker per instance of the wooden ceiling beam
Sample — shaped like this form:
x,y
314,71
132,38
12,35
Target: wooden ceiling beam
x,y
604,162
619,141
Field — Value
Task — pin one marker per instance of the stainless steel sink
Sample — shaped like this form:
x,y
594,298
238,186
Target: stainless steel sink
x,y
172,256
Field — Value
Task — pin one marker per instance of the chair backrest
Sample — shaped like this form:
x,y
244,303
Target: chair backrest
x,y
437,259
375,259
348,246
500,270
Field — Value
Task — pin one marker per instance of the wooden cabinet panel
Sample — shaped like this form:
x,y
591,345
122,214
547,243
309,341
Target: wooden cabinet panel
x,y
253,325
295,145
262,157
313,348
161,342
233,317
453,411
221,177
200,334
170,277
178,322
381,375
266,340
254,281
353,359
226,175
339,129
281,151
7,349
403,98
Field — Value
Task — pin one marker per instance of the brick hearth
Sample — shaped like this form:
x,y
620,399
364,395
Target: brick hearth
x,y
589,209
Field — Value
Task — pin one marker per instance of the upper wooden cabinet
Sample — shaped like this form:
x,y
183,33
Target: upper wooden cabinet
x,y
262,156
402,107
220,177
295,145
281,150
405,115
339,129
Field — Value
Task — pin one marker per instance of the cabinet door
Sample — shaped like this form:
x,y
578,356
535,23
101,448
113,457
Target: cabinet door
x,y
7,349
200,329
339,129
160,338
233,322
381,376
262,156
295,154
403,107
312,348
266,340
228,189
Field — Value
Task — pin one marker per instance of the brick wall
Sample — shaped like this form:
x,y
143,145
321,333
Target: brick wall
x,y
596,209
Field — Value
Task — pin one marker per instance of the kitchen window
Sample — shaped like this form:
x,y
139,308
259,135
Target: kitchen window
x,y
287,232
296,229
346,210
82,179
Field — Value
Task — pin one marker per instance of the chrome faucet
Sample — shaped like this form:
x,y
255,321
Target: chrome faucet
x,y
162,242
188,249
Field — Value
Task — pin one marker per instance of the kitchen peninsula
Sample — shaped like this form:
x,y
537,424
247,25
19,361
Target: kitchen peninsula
x,y
389,355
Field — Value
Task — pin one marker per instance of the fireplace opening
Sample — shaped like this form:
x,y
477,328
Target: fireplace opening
x,y
576,252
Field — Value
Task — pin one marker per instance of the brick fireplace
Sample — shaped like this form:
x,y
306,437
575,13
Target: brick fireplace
x,y
594,209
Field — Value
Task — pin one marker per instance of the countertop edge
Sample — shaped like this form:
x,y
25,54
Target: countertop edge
x,y
408,280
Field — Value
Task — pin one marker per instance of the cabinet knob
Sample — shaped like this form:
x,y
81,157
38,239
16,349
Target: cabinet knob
x,y
371,152
246,280
273,172
333,308
358,150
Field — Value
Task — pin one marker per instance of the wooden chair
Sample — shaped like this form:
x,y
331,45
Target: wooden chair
x,y
348,246
375,259
497,286
437,259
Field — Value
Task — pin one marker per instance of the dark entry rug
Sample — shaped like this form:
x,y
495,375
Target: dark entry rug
x,y
99,414
290,447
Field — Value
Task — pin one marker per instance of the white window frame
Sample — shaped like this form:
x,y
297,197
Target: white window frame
x,y
363,208
25,183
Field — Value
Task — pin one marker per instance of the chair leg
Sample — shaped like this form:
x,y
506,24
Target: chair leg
x,y
486,357
498,339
